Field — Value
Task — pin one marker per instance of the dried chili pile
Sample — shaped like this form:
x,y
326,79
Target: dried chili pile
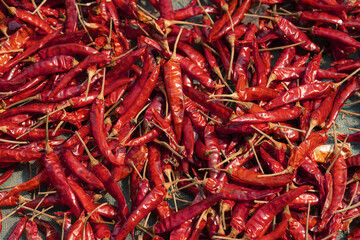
x,y
220,126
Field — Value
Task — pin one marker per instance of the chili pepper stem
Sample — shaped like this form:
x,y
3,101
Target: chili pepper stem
x,y
337,154
313,124
206,13
276,143
11,10
180,148
231,40
93,161
91,73
29,99
259,16
47,145
281,47
168,23
336,85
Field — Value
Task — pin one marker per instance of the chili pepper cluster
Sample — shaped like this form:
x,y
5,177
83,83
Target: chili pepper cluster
x,y
101,92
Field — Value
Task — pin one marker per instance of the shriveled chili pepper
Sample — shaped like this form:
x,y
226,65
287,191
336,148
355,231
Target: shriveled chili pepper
x,y
345,93
236,19
31,230
32,49
218,109
295,34
173,85
19,229
101,230
133,110
303,92
322,17
80,170
89,60
279,230
155,196
14,42
47,228
336,35
270,116
339,176
259,222
297,230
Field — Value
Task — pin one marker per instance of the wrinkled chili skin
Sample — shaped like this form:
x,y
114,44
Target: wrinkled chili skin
x,y
173,84
303,92
295,34
345,93
259,221
149,203
270,116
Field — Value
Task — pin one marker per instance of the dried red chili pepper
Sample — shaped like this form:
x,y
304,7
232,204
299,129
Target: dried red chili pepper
x,y
259,222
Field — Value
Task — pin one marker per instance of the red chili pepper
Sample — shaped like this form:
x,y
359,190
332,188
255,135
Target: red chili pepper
x,y
30,50
339,176
279,230
80,170
295,34
88,61
142,98
270,116
345,93
297,230
14,42
336,35
101,230
173,84
218,109
31,230
155,196
236,19
183,215
192,11
241,65
303,92
259,222
48,229
19,229
322,17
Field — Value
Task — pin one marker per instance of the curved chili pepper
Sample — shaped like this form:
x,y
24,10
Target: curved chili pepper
x,y
142,98
201,98
101,230
173,84
185,214
135,90
48,229
259,222
303,92
298,155
14,42
270,116
80,170
345,93
31,230
155,196
88,61
19,229
44,67
327,7
279,230
58,179
339,176
240,73
236,19
32,49
295,34
336,35
297,230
